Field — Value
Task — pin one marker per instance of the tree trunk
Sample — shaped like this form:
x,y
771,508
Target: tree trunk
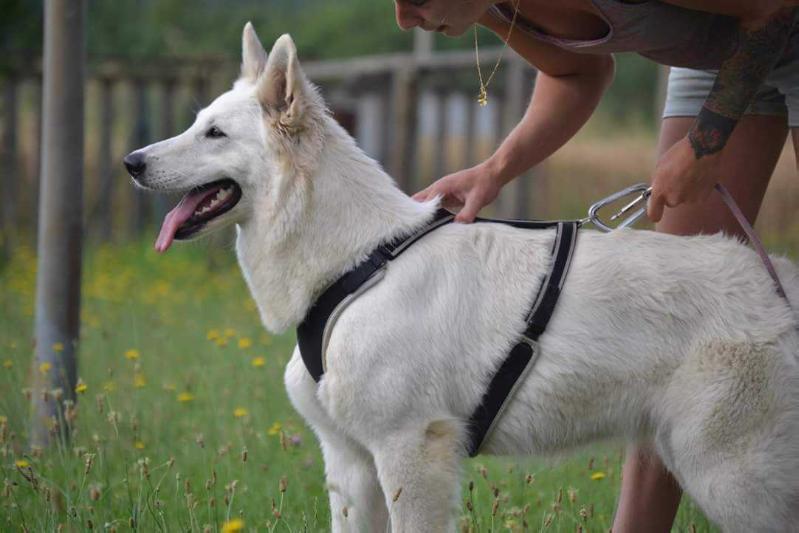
x,y
60,218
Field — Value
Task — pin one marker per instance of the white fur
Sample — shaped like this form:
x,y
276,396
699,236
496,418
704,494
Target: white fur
x,y
679,341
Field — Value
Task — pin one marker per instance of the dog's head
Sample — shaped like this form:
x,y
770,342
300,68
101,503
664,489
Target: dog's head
x,y
230,162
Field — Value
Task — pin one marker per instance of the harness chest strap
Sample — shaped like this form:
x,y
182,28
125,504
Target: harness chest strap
x,y
314,331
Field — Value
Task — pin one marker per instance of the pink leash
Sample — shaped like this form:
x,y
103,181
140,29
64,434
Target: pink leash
x,y
753,238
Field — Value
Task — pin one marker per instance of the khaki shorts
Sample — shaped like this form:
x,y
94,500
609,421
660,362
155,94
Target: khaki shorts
x,y
779,95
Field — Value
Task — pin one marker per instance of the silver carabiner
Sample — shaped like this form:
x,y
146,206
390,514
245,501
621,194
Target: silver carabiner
x,y
642,192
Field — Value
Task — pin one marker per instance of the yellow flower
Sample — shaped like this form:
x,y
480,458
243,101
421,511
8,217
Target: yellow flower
x,y
213,334
240,412
58,346
185,397
245,342
45,367
274,429
139,381
3,419
230,332
81,387
109,386
233,526
22,463
139,445
596,476
8,363
132,354
258,361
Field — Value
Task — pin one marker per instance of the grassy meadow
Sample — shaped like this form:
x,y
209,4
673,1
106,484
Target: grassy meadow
x,y
182,421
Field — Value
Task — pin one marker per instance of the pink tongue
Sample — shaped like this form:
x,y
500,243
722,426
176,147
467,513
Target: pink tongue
x,y
180,214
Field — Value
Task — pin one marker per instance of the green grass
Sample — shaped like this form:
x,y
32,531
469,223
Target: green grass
x,y
141,459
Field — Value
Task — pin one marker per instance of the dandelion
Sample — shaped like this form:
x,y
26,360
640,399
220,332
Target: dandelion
x,y
212,334
8,363
185,397
244,343
139,381
596,476
230,332
81,387
139,445
132,354
45,367
58,346
274,429
258,362
233,526
21,463
240,412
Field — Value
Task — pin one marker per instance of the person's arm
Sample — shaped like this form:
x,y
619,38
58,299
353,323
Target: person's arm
x,y
567,90
559,107
688,171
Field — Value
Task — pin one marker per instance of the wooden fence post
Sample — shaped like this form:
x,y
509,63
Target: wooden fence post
x,y
141,136
9,170
441,148
105,165
402,156
60,218
161,203
516,192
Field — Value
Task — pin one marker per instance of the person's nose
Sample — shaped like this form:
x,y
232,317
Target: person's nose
x,y
407,18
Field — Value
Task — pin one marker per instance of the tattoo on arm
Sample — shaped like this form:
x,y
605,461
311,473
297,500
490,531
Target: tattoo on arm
x,y
739,77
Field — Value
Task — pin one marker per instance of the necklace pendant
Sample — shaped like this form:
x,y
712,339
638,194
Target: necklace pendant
x,y
482,98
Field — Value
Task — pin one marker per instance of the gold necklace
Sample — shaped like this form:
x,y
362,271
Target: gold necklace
x,y
482,97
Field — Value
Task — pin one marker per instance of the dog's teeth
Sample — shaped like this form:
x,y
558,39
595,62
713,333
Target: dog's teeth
x,y
220,196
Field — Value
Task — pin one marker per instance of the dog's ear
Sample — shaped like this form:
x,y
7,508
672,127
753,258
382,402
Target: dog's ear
x,y
282,86
253,55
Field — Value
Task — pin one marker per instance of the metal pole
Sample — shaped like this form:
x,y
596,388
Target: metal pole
x,y
60,209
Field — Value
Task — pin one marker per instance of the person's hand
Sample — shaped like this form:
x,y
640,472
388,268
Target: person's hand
x,y
467,190
680,177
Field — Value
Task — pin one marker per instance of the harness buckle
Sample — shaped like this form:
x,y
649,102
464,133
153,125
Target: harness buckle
x,y
642,191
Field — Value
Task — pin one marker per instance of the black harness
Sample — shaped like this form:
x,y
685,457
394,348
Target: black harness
x,y
313,332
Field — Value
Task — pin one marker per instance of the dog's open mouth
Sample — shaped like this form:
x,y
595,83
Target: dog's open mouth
x,y
196,209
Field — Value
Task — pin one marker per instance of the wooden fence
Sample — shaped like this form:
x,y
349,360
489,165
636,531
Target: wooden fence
x,y
415,112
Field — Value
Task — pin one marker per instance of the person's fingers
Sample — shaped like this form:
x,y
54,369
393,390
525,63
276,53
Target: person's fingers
x,y
423,195
470,209
655,206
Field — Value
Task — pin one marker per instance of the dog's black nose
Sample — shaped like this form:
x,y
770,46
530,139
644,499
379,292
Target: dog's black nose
x,y
134,162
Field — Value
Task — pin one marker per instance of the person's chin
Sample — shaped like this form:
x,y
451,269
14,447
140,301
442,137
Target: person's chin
x,y
453,31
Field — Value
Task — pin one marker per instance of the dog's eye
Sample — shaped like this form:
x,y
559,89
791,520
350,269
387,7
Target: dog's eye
x,y
214,133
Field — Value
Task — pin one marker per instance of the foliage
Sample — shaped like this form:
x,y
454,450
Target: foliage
x,y
183,423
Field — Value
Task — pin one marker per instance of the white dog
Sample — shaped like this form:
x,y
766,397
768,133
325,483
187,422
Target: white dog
x,y
678,341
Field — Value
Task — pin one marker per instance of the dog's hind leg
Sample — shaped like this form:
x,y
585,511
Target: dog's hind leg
x,y
729,431
419,471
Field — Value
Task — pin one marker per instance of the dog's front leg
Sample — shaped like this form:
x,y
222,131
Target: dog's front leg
x,y
419,471
356,499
